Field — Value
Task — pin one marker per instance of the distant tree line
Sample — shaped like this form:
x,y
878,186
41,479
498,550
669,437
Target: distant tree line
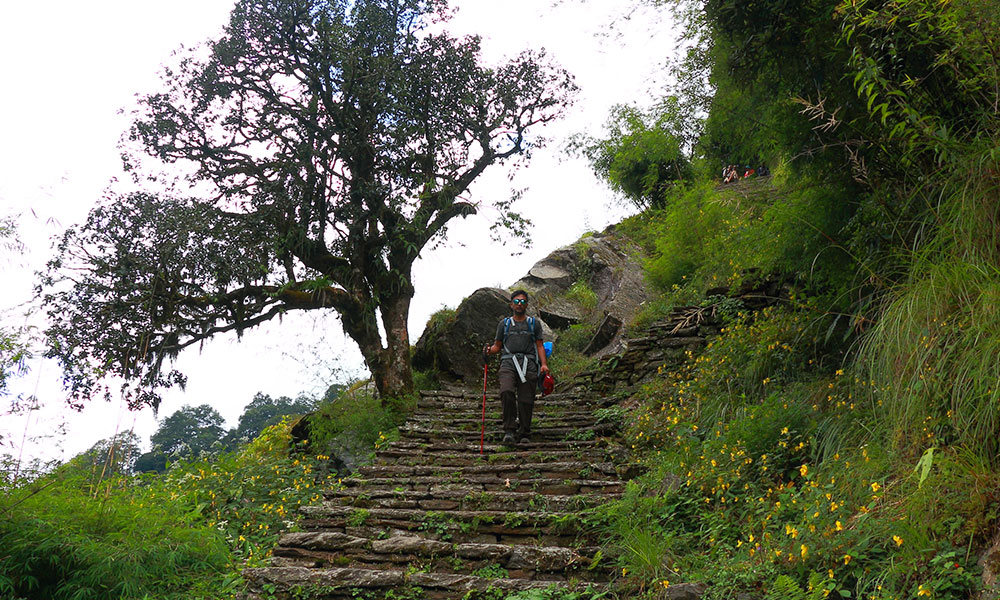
x,y
193,431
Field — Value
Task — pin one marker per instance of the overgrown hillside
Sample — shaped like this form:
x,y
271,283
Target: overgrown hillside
x,y
843,441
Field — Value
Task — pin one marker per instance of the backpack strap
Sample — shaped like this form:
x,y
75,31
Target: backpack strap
x,y
521,366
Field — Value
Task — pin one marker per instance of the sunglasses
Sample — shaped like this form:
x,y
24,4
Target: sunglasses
x,y
519,301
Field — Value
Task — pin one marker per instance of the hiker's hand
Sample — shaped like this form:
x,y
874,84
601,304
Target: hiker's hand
x,y
544,369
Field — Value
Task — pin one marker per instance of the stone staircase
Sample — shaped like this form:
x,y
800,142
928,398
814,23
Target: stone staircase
x,y
433,518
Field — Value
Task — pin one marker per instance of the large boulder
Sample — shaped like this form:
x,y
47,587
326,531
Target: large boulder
x,y
452,345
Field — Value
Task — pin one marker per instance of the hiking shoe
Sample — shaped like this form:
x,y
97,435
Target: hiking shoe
x,y
524,441
508,439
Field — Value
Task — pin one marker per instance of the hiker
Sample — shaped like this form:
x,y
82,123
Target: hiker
x,y
522,362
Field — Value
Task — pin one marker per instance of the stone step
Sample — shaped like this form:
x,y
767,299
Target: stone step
x,y
541,434
435,518
462,500
493,447
493,396
552,470
325,549
501,527
495,411
432,406
488,483
343,583
404,456
475,423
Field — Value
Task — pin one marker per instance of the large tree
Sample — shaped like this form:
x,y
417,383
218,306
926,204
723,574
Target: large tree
x,y
335,139
190,431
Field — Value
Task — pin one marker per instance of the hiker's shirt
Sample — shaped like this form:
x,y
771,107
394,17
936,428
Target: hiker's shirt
x,y
520,343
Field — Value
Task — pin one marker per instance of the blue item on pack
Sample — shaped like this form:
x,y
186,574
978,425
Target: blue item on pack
x,y
548,349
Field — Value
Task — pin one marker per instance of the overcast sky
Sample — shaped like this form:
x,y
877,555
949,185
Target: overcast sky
x,y
69,67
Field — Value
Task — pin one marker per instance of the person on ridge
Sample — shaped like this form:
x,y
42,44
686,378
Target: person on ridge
x,y
521,364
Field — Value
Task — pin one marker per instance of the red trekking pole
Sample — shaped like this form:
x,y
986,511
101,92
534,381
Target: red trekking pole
x,y
482,434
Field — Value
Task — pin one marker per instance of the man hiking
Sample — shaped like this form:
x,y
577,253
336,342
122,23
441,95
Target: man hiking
x,y
521,364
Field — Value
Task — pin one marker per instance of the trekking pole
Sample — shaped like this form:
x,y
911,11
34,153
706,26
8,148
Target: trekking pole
x,y
482,434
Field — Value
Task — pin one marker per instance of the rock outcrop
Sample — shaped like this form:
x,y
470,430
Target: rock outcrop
x,y
603,263
452,347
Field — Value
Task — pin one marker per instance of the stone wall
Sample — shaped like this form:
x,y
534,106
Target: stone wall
x,y
665,342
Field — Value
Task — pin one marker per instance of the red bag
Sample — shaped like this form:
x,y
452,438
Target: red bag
x,y
548,384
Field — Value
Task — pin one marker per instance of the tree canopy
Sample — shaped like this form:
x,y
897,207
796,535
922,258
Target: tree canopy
x,y
264,411
14,348
335,139
189,431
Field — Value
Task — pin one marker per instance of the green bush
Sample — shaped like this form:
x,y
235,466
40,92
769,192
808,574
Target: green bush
x,y
582,294
66,543
356,423
186,533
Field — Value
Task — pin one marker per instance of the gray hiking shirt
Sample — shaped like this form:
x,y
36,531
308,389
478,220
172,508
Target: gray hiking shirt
x,y
519,340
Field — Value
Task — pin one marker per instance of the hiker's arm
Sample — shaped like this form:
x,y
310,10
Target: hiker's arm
x,y
496,347
544,366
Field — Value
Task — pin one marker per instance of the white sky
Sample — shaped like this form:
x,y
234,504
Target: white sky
x,y
68,67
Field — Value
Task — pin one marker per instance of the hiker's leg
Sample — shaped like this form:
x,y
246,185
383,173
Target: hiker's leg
x,y
524,410
525,406
508,399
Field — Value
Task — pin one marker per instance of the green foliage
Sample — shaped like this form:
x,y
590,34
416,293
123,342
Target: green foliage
x,y
710,237
113,456
642,156
65,542
786,588
15,350
361,172
755,487
355,424
491,572
582,294
189,432
557,593
264,411
186,533
576,337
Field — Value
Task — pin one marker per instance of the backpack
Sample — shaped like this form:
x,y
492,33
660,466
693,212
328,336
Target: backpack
x,y
520,367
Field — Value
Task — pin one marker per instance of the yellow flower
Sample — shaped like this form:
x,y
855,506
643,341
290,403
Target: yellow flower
x,y
838,526
804,550
898,540
665,583
922,591
875,486
847,559
624,571
804,470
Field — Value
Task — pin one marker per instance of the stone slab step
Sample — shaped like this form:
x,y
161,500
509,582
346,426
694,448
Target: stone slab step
x,y
493,447
461,500
342,583
511,519
541,433
551,470
475,406
463,422
401,456
510,527
481,483
322,549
